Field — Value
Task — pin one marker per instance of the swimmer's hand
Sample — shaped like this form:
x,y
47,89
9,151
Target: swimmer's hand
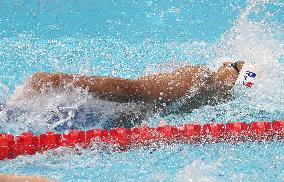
x,y
103,87
43,81
36,83
164,87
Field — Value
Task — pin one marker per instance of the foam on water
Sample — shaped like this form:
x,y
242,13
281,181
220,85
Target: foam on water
x,y
199,171
62,110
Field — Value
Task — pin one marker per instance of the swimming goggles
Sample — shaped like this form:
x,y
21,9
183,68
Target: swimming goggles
x,y
235,66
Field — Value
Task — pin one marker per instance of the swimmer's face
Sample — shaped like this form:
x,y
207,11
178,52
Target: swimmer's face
x,y
228,73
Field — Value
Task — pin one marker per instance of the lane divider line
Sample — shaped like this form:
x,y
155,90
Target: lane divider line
x,y
124,138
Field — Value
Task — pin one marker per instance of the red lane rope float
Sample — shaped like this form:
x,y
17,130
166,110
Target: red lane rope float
x,y
29,144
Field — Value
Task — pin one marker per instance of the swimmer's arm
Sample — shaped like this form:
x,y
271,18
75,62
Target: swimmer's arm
x,y
145,89
162,87
15,178
107,88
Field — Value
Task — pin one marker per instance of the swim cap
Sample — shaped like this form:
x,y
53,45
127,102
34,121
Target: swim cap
x,y
250,75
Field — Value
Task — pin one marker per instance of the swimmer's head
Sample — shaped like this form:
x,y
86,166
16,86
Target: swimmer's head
x,y
228,73
251,74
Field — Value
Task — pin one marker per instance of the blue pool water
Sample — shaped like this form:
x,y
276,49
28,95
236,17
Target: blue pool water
x,y
129,39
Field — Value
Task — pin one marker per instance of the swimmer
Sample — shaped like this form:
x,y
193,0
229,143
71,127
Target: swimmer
x,y
193,86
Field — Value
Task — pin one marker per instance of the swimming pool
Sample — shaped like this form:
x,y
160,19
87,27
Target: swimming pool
x,y
129,39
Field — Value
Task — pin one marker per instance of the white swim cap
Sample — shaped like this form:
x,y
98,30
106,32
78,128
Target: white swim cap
x,y
250,75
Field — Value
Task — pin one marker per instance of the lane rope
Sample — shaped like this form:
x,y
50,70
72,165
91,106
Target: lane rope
x,y
124,138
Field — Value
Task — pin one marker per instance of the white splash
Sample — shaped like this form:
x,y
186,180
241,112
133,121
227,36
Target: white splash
x,y
256,41
78,108
198,171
